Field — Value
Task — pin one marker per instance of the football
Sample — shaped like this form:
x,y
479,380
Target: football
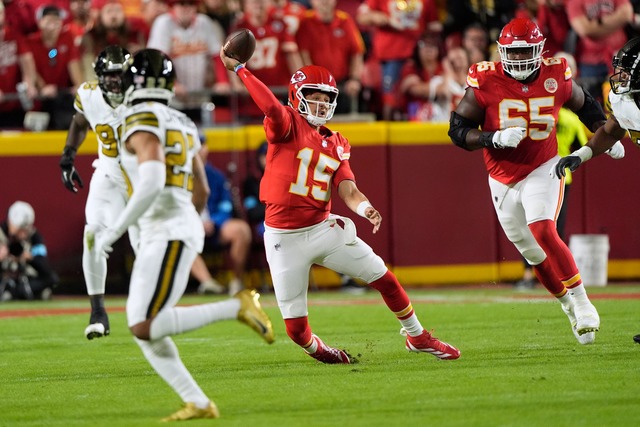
x,y
240,45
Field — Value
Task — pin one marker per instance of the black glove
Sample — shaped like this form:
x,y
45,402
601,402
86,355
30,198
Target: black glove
x,y
571,162
70,175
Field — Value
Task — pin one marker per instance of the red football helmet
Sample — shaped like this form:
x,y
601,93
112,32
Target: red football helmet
x,y
311,79
520,37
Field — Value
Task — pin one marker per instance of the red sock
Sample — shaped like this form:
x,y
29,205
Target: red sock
x,y
558,254
393,295
549,278
299,331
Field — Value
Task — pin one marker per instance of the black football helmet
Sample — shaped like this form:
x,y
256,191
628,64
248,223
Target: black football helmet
x,y
108,67
149,75
626,77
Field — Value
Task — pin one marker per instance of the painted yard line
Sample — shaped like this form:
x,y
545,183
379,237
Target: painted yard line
x,y
432,299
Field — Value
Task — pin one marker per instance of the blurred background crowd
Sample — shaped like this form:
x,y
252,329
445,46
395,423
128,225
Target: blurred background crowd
x,y
394,60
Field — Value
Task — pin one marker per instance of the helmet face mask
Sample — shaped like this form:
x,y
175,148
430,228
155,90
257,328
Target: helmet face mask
x,y
626,78
149,75
108,67
521,46
314,94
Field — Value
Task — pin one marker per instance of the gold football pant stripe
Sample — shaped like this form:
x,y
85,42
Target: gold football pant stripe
x,y
166,277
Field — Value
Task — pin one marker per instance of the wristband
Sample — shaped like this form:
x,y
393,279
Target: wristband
x,y
584,153
69,151
362,207
486,139
238,67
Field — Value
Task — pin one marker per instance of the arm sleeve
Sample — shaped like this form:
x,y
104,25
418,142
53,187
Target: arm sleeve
x,y
152,177
279,121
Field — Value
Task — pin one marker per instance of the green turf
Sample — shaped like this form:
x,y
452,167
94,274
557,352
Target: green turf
x,y
520,366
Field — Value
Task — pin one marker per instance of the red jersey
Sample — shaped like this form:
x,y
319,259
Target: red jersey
x,y
330,45
535,105
52,62
412,16
11,48
302,164
597,50
273,42
291,14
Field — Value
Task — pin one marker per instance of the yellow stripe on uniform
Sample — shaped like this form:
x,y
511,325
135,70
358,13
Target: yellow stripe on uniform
x,y
403,313
472,82
166,277
572,281
145,118
127,181
78,103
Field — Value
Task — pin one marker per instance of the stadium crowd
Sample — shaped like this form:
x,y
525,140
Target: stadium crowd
x,y
403,60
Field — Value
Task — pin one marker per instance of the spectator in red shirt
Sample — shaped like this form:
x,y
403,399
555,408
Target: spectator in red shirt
x,y
20,15
290,12
57,60
554,24
330,38
398,27
417,74
276,56
111,27
600,27
16,66
81,20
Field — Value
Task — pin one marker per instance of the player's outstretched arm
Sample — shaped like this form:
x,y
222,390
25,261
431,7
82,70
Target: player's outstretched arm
x,y
358,203
603,140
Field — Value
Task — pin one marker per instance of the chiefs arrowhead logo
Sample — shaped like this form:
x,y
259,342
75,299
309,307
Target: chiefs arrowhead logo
x,y
298,76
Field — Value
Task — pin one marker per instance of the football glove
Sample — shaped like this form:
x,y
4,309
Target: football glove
x,y
70,175
617,151
571,162
508,138
101,243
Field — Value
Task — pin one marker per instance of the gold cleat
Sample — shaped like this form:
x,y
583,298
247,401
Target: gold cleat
x,y
192,412
252,314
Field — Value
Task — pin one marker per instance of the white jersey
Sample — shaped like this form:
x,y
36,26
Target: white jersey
x,y
627,114
172,215
104,121
191,49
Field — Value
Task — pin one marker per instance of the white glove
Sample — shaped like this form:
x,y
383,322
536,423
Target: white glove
x,y
508,138
101,242
617,151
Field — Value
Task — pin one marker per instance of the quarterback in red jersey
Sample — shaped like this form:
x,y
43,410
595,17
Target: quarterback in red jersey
x,y
304,160
516,104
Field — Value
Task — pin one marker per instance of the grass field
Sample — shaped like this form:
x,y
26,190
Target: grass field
x,y
520,365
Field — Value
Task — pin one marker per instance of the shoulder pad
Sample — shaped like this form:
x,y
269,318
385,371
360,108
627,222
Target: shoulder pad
x,y
479,72
558,63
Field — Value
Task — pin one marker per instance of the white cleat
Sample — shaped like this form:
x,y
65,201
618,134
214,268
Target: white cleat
x,y
95,330
585,338
587,319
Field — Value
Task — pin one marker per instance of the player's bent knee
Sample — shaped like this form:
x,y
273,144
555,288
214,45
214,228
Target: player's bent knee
x,y
534,256
375,270
141,330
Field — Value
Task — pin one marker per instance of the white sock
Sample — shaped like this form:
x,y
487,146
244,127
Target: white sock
x,y
313,347
95,272
163,356
412,325
177,320
566,300
579,294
